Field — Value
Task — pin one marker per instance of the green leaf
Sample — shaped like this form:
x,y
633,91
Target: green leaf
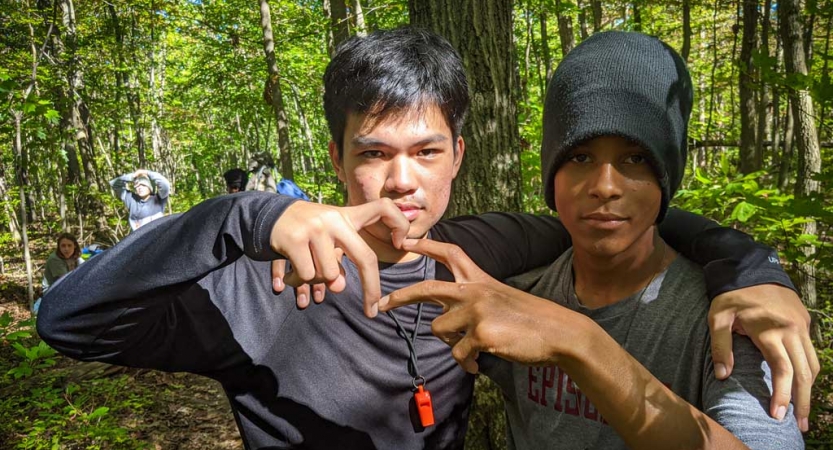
x,y
743,211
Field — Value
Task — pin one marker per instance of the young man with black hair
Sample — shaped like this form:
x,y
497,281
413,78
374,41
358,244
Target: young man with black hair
x,y
236,180
615,352
325,376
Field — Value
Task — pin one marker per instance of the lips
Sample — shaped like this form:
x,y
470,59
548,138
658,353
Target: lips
x,y
410,211
607,221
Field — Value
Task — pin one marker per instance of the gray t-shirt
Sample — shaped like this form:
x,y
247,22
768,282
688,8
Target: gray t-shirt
x,y
667,331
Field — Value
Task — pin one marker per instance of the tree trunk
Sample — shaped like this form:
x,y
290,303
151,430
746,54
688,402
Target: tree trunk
x,y
637,17
825,77
27,258
806,140
749,160
133,99
582,21
490,179
565,29
545,44
339,30
358,18
763,99
597,15
274,88
686,50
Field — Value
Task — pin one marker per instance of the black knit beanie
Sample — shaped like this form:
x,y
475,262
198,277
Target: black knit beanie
x,y
619,84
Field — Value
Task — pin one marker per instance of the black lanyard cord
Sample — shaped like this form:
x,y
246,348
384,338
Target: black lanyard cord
x,y
410,340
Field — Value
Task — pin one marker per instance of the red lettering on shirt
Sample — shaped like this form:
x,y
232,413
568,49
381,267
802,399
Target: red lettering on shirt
x,y
547,382
532,393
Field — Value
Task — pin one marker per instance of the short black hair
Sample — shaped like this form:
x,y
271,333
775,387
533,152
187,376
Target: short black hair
x,y
236,178
392,71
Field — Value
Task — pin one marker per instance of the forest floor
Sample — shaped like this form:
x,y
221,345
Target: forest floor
x,y
161,411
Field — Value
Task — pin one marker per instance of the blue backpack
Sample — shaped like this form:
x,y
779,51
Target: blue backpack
x,y
288,187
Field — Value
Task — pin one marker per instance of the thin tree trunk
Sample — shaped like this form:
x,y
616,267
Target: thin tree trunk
x,y
763,100
806,140
339,28
749,159
27,258
274,88
686,30
637,17
565,29
358,18
825,77
582,21
545,44
133,99
597,15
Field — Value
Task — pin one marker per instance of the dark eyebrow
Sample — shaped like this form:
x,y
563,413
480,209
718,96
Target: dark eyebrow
x,y
364,141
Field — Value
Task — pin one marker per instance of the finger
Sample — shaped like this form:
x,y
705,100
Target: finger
x,y
278,272
368,267
302,296
466,355
802,380
720,328
325,257
318,292
383,210
303,266
779,363
450,255
429,291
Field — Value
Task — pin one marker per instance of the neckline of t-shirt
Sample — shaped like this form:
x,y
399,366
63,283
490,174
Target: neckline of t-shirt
x,y
627,304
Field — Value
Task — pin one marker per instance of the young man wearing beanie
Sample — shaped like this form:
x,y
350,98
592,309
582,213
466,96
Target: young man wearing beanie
x,y
323,375
610,346
143,205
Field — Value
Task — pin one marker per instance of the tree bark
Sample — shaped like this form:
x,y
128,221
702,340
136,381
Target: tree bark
x,y
274,88
637,17
582,21
565,29
490,179
749,160
545,44
358,18
21,182
686,50
763,97
339,31
806,140
597,15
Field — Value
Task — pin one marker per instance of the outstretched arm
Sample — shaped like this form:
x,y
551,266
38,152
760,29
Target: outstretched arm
x,y
485,315
750,291
157,299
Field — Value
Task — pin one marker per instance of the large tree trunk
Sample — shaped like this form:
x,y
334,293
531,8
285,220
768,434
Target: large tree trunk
x,y
273,87
749,160
806,140
490,178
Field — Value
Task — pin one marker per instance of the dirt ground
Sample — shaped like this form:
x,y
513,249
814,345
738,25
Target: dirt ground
x,y
188,412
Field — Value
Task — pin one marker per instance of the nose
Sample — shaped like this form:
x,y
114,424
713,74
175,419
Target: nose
x,y
606,183
401,177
